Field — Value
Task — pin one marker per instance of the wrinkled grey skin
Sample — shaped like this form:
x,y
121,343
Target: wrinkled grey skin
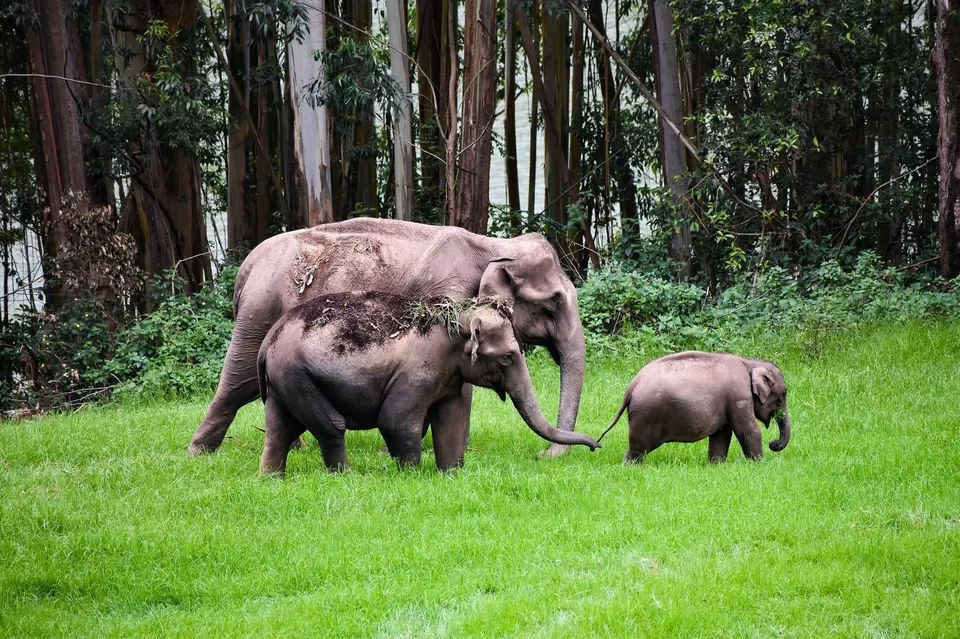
x,y
688,396
306,384
402,258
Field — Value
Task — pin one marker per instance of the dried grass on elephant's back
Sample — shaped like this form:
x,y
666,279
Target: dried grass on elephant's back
x,y
365,319
362,320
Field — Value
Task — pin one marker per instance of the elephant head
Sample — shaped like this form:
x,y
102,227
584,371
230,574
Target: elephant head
x,y
770,398
545,311
492,358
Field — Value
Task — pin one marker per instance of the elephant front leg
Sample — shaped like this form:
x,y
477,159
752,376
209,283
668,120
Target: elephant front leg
x,y
237,387
719,445
450,421
748,434
402,428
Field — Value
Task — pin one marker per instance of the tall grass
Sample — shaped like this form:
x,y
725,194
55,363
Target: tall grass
x,y
107,528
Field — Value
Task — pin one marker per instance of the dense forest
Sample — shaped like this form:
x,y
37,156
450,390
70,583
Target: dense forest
x,y
147,146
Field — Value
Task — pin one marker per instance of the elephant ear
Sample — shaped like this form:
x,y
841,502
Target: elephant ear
x,y
476,331
497,279
760,379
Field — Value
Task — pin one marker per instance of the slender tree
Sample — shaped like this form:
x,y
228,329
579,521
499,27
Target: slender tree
x,y
312,186
673,159
479,104
556,80
403,134
510,110
946,59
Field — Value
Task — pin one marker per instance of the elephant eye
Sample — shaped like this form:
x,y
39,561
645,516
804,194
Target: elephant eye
x,y
554,303
506,360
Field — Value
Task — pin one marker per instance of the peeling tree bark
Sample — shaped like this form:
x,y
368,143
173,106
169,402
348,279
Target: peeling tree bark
x,y
310,134
64,151
403,135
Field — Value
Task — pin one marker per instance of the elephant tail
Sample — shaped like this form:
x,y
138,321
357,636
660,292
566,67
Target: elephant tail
x,y
623,407
262,373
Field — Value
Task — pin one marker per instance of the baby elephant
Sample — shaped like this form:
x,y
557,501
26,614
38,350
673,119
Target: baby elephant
x,y
688,396
374,360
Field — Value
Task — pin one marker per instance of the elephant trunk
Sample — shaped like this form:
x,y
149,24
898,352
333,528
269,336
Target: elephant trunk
x,y
784,423
523,398
573,354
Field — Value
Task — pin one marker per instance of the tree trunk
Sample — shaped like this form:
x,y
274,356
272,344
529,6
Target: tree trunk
x,y
403,134
168,220
242,233
946,60
61,158
452,66
673,159
430,53
576,145
554,148
510,115
534,107
617,154
556,80
363,184
310,135
479,104
889,131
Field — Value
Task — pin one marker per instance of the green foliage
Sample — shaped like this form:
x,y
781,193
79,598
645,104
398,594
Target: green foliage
x,y
640,309
178,349
80,354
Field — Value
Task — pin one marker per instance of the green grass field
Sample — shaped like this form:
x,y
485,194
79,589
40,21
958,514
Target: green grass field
x,y
107,528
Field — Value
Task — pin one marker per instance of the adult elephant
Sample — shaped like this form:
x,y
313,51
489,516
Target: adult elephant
x,y
403,258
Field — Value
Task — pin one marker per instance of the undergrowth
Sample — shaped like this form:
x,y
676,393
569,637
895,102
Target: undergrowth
x,y
178,349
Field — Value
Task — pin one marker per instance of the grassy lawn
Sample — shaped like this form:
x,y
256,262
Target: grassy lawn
x,y
107,528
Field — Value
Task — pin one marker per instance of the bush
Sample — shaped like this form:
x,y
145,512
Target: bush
x,y
178,349
643,311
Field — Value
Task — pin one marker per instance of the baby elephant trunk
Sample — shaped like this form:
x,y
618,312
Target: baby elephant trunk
x,y
784,423
523,398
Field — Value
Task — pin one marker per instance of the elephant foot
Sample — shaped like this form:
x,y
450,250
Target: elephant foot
x,y
196,450
555,450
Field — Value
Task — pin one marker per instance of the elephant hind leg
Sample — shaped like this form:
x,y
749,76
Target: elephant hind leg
x,y
282,429
719,445
326,424
641,443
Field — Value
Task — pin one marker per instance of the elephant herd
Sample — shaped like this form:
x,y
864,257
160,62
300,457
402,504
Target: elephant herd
x,y
373,323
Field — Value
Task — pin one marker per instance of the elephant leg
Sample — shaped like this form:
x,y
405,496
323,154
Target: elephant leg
x,y
748,434
333,447
719,445
641,443
237,387
401,424
451,429
281,431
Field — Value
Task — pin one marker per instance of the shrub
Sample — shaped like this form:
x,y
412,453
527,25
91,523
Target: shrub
x,y
178,349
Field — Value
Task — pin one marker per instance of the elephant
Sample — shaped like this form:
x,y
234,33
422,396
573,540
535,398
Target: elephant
x,y
688,396
402,258
375,360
